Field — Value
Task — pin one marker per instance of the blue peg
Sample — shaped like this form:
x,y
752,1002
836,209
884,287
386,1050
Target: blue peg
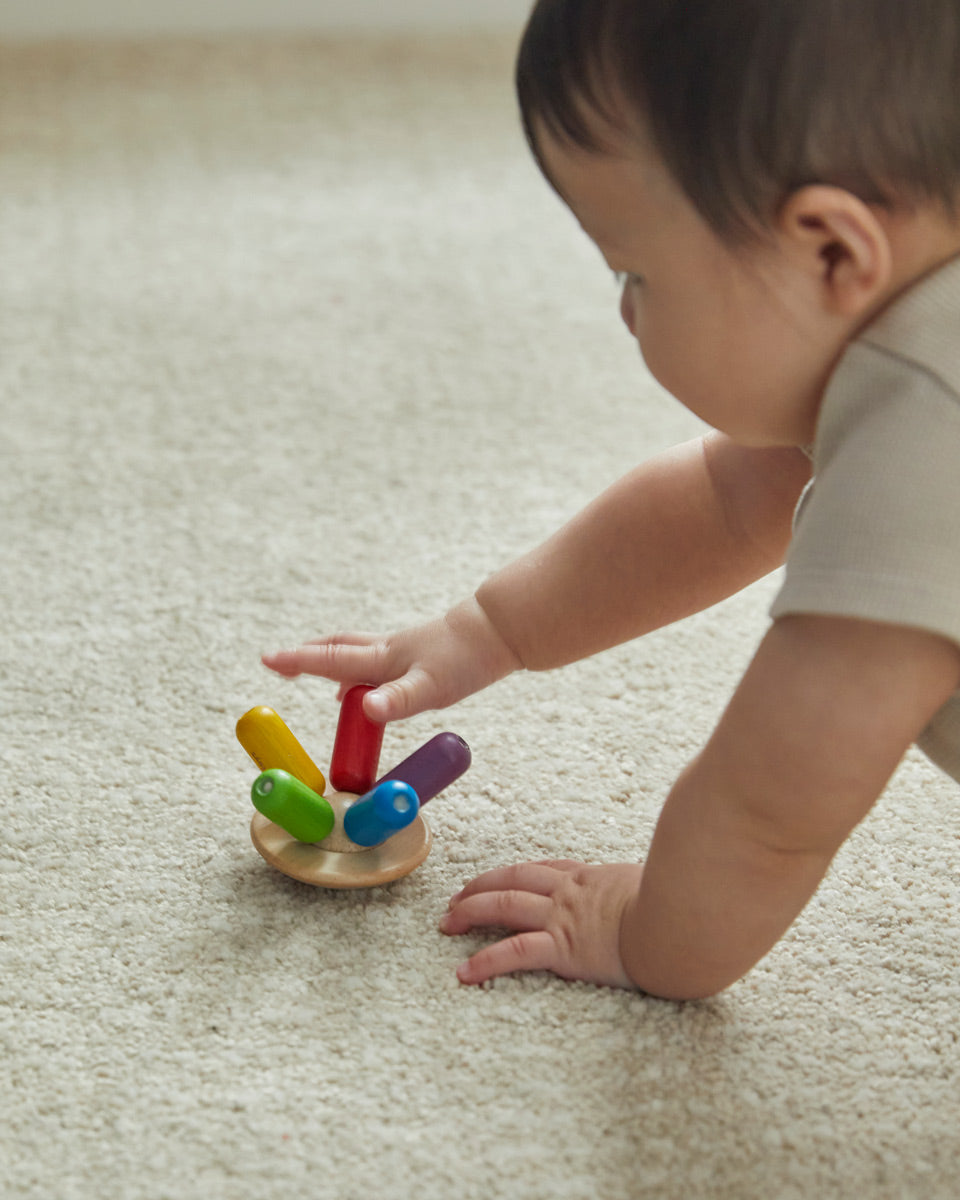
x,y
381,813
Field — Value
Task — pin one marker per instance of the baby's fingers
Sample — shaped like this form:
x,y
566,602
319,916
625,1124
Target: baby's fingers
x,y
343,660
397,696
504,910
539,877
534,951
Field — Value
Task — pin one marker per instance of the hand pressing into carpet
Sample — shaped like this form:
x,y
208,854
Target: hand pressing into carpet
x,y
565,917
429,666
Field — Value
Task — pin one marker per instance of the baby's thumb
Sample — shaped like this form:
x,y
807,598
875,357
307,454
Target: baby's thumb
x,y
399,698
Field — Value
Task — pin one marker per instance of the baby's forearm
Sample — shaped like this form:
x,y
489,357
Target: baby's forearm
x,y
808,742
678,534
712,900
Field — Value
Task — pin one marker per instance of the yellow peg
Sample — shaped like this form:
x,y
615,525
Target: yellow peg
x,y
271,745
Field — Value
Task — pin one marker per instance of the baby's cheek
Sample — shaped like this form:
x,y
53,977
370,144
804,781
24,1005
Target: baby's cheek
x,y
667,362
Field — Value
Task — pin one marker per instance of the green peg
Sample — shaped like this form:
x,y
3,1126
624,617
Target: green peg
x,y
293,806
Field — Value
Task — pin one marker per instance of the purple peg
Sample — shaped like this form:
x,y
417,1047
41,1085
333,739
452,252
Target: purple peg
x,y
434,766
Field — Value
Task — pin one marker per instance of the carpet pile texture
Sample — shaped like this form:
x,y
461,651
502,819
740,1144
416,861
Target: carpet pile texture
x,y
294,339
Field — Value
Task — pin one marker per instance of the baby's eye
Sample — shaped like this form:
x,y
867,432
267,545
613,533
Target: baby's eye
x,y
627,277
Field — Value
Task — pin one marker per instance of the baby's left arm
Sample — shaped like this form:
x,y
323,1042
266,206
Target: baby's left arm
x,y
812,734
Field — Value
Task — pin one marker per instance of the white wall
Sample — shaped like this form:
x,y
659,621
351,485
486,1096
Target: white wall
x,y
40,18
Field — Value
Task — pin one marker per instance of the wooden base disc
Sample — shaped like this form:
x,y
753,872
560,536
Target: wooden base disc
x,y
392,859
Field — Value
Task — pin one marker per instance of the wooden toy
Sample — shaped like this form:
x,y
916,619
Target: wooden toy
x,y
268,741
314,838
337,862
356,748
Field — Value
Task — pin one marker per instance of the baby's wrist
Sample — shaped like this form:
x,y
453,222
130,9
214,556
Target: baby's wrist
x,y
628,943
470,620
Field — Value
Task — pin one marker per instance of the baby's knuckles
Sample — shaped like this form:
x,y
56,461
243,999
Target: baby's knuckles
x,y
588,907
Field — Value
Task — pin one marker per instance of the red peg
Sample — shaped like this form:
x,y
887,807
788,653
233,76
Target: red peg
x,y
356,748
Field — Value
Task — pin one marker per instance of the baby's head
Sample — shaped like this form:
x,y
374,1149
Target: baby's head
x,y
747,101
766,174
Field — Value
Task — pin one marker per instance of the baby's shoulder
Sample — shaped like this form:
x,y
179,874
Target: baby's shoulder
x,y
922,326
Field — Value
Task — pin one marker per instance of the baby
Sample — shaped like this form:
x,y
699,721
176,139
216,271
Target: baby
x,y
776,184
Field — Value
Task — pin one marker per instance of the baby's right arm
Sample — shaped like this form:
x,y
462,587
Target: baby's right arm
x,y
676,535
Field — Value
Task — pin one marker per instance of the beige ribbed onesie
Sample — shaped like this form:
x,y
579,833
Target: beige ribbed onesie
x,y
877,532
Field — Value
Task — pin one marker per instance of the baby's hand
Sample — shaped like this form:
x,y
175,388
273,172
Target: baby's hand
x,y
567,914
429,666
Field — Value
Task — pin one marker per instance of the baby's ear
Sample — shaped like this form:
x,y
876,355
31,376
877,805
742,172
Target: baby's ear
x,y
838,238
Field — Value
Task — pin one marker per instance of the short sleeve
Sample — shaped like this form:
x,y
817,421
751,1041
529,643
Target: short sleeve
x,y
877,534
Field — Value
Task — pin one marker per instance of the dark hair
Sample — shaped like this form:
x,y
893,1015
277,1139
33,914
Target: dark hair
x,y
748,100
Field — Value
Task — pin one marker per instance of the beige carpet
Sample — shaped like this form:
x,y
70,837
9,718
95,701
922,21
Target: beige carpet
x,y
293,337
